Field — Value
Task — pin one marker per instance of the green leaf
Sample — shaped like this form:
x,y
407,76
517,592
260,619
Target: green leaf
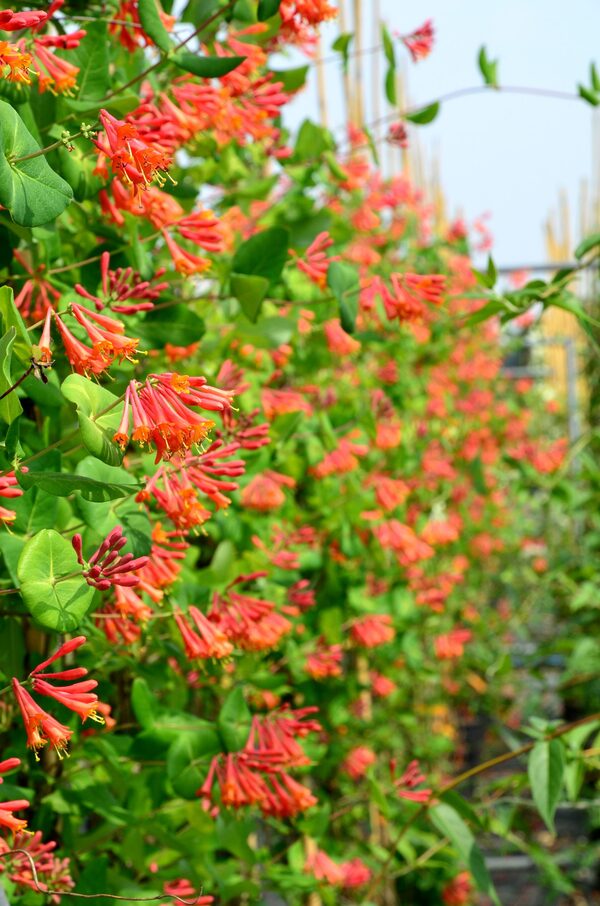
x,y
263,255
423,116
592,97
249,290
451,825
587,244
92,58
10,407
388,46
234,720
390,86
103,517
594,77
51,584
545,767
143,702
178,325
491,308
488,68
62,484
97,425
267,8
342,46
342,279
188,759
152,24
31,191
206,67
291,79
11,317
312,141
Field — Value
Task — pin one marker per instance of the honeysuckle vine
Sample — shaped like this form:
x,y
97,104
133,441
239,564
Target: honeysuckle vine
x,y
274,521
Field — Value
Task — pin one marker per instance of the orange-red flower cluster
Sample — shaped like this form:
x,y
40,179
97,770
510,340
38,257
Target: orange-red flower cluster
x,y
40,726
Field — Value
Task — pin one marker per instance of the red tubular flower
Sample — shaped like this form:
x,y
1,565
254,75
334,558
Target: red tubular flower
x,y
369,632
397,135
315,263
251,623
53,72
323,868
7,819
40,726
50,872
325,662
301,595
77,697
106,335
356,873
208,642
185,262
411,778
83,359
204,229
161,415
452,645
277,734
136,163
10,489
339,342
15,63
342,460
420,42
65,648
357,761
264,493
10,21
183,889
458,891
65,42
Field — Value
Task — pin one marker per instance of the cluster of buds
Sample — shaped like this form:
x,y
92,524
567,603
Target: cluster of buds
x,y
411,778
106,567
123,289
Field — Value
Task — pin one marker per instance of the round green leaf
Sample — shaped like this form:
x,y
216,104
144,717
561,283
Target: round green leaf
x,y
96,424
51,584
188,759
264,254
32,192
234,721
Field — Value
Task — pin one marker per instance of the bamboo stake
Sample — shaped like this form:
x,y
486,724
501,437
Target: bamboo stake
x,y
376,74
358,67
321,86
343,20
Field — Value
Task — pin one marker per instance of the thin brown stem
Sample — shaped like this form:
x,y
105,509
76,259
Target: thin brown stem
x,y
165,57
17,383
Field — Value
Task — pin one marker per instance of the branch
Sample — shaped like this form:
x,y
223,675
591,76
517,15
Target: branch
x,y
42,888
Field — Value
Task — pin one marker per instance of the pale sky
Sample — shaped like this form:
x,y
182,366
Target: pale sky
x,y
504,154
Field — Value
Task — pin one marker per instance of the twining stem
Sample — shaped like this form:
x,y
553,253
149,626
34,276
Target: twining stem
x,y
20,381
46,150
177,47
467,775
